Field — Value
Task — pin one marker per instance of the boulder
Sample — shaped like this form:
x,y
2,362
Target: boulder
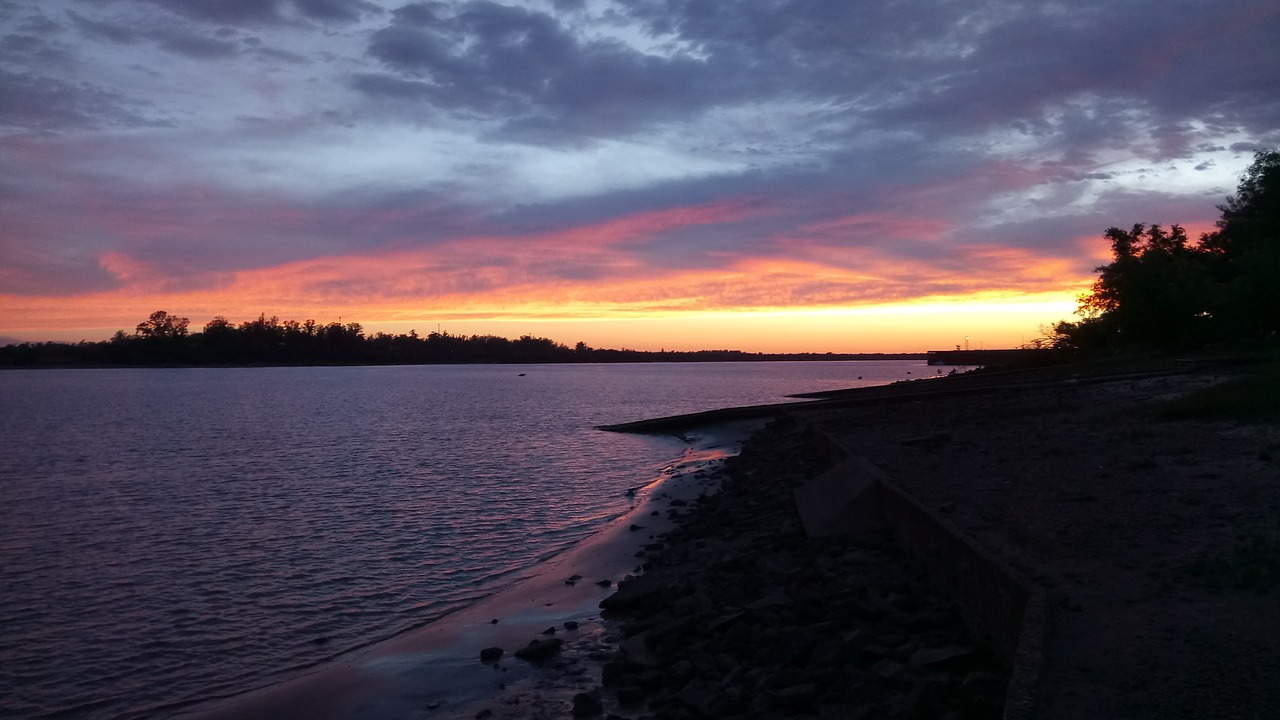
x,y
539,650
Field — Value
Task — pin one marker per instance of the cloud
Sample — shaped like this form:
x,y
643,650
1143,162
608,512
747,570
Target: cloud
x,y
247,13
43,103
608,156
335,10
527,67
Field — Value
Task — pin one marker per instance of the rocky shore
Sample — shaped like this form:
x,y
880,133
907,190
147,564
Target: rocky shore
x,y
738,614
1155,541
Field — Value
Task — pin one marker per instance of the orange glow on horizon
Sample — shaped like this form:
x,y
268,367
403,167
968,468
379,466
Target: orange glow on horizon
x,y
592,284
992,321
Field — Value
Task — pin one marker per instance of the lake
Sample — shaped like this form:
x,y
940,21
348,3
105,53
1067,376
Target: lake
x,y
169,535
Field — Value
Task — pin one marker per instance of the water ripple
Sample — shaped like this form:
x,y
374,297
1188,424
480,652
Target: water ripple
x,y
171,535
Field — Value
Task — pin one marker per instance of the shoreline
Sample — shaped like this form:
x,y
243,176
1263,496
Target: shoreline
x,y
1150,544
1106,511
435,671
745,613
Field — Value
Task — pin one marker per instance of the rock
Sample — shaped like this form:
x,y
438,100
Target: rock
x,y
636,650
587,704
879,652
889,669
630,695
941,657
539,650
929,619
570,624
724,621
779,562
701,695
984,686
650,680
484,714
681,670
642,592
935,440
491,655
635,527
549,631
796,696
739,614
605,583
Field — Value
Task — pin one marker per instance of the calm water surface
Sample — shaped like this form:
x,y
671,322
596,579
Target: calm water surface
x,y
171,535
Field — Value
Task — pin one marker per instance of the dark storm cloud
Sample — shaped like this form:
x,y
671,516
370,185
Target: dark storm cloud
x,y
1117,62
42,103
230,12
199,47
337,10
117,32
525,67
180,38
246,13
174,38
1073,75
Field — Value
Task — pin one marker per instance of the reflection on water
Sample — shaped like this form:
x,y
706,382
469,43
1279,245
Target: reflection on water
x,y
170,535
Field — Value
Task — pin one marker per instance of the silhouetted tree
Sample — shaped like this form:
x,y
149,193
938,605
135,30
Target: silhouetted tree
x,y
272,341
1161,292
220,340
1244,253
1156,293
162,325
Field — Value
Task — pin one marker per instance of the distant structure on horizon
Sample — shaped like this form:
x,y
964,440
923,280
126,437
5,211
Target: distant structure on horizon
x,y
1022,357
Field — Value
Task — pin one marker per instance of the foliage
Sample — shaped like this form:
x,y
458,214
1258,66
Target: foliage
x,y
1162,292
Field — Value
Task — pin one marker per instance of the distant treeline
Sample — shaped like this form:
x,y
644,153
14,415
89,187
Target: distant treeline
x,y
163,340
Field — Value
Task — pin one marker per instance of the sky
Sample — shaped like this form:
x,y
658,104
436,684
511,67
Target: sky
x,y
764,175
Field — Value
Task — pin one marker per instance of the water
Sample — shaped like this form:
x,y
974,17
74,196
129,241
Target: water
x,y
171,535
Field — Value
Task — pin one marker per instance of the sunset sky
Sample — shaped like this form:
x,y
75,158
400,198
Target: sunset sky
x,y
766,175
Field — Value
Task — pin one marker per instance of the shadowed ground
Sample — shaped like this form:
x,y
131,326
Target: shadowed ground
x,y
1158,540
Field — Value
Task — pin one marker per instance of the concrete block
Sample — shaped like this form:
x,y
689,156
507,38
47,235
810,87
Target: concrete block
x,y
842,501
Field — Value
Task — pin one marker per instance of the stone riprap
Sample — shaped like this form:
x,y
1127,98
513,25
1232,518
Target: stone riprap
x,y
739,614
